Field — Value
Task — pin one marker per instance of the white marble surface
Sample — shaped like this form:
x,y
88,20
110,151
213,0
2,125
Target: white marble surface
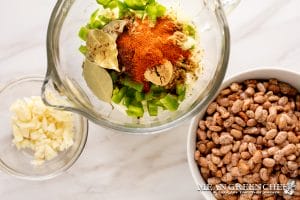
x,y
117,166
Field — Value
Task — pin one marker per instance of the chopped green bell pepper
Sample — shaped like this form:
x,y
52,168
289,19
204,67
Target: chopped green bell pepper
x,y
181,91
126,101
132,84
118,95
83,33
123,10
149,96
159,104
93,19
162,95
114,76
136,4
83,49
103,2
130,93
97,20
139,96
152,108
136,110
170,102
155,10
189,30
157,89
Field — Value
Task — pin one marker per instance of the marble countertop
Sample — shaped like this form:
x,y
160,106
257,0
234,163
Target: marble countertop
x,y
116,166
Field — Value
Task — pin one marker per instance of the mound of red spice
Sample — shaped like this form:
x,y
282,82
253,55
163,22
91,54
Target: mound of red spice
x,y
141,47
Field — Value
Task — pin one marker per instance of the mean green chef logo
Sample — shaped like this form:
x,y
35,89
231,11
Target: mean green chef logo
x,y
237,188
290,187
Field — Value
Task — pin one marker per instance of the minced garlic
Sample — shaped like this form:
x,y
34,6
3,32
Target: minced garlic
x,y
42,129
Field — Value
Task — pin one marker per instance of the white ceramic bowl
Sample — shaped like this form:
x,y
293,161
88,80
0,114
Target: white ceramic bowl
x,y
293,78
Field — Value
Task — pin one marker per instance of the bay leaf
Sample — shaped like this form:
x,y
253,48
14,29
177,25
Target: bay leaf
x,y
98,80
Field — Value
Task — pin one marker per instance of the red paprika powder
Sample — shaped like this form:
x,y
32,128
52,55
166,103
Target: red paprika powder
x,y
141,47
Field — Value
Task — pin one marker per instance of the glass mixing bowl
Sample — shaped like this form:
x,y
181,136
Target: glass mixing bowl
x,y
65,72
18,162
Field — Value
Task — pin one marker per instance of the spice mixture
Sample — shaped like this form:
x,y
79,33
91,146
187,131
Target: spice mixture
x,y
142,47
151,56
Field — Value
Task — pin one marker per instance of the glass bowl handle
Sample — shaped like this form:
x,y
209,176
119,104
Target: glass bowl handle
x,y
54,96
229,5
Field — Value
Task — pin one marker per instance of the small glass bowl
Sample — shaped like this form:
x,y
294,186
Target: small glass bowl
x,y
18,162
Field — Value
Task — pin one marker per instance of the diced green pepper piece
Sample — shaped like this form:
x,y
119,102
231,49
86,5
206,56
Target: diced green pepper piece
x,y
159,104
161,10
83,33
95,24
103,2
151,12
181,97
152,108
114,4
101,21
157,89
126,101
136,4
135,110
170,102
114,76
105,20
83,49
189,30
149,95
162,95
94,16
116,90
130,93
118,95
139,96
155,10
123,10
97,20
132,84
181,91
